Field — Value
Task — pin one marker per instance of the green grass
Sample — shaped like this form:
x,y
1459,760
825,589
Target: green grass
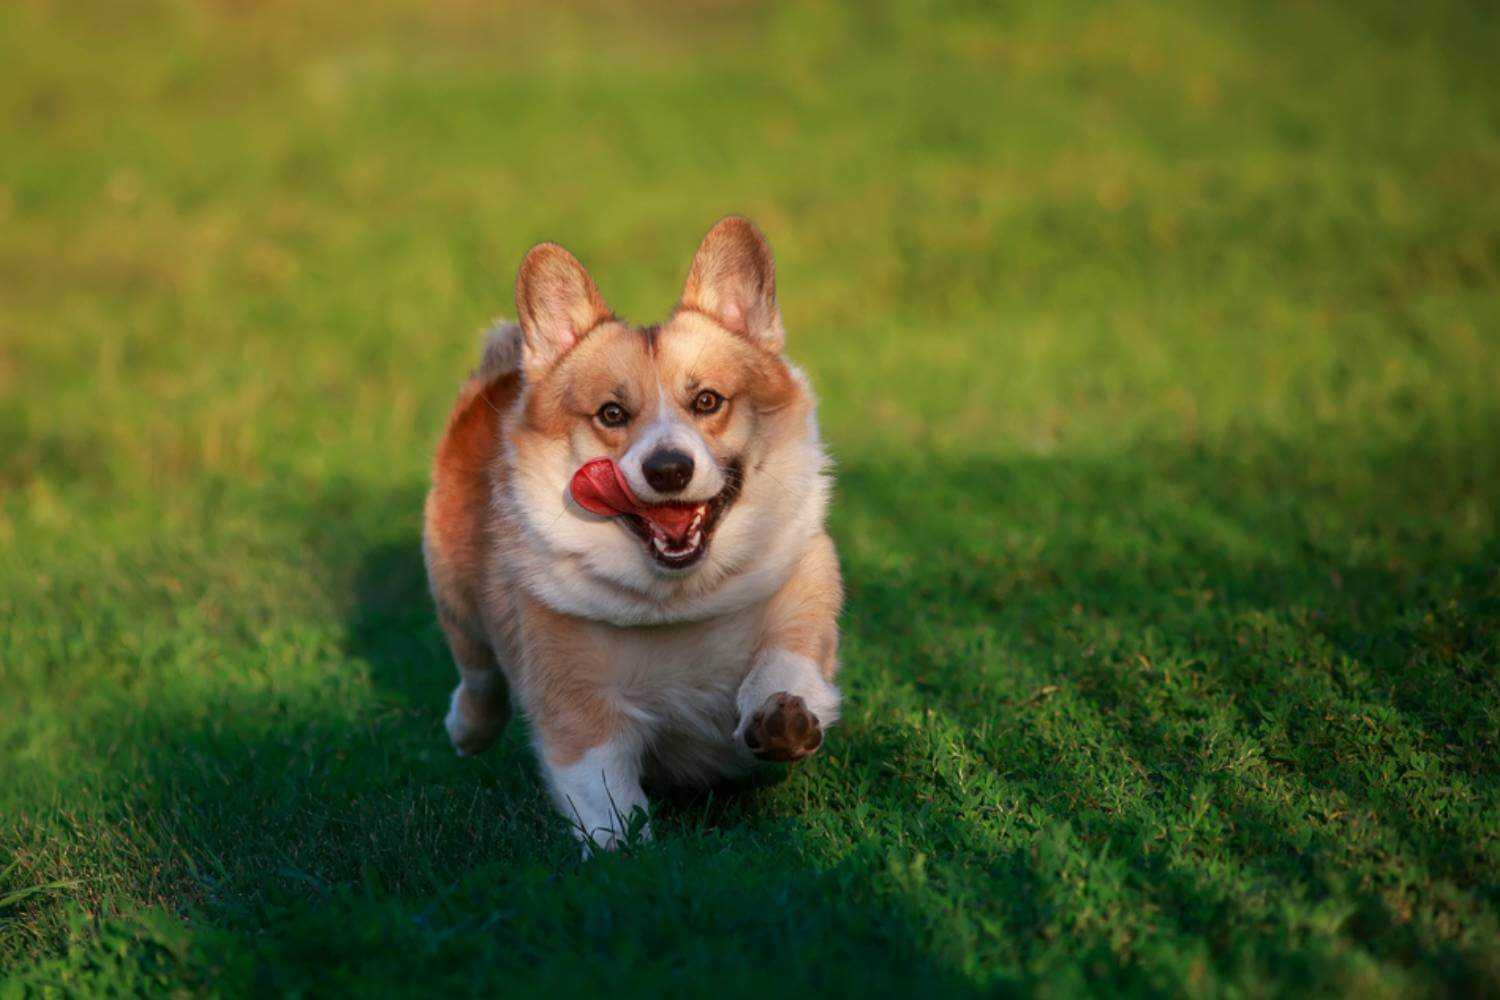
x,y
1157,346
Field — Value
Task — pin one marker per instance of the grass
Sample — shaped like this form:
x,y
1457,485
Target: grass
x,y
1157,345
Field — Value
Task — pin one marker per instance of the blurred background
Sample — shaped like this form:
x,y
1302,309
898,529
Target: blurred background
x,y
236,230
1157,346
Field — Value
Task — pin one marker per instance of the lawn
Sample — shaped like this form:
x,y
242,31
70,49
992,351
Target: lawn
x,y
1158,347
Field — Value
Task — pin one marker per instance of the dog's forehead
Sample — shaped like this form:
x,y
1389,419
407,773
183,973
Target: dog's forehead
x,y
690,347
630,363
614,359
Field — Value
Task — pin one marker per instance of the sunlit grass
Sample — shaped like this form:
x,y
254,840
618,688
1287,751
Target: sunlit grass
x,y
1157,349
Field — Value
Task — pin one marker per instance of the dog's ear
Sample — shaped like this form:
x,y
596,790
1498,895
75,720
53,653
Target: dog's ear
x,y
557,302
733,279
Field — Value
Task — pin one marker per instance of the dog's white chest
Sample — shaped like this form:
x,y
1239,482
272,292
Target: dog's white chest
x,y
677,685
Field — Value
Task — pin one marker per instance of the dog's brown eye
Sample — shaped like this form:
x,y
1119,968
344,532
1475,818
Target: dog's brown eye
x,y
612,415
707,401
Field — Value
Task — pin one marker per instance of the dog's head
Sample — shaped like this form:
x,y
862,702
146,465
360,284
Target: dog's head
x,y
706,422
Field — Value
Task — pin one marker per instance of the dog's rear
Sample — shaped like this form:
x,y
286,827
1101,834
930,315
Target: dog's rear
x,y
455,536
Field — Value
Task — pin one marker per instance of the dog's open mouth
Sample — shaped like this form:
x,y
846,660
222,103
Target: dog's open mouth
x,y
675,534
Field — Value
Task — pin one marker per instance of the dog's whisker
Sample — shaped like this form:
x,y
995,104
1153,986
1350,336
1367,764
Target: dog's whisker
x,y
775,479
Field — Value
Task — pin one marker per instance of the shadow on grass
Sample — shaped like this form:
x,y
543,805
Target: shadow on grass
x,y
1339,641
1277,748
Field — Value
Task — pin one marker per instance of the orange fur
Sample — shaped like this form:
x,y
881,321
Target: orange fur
x,y
463,477
567,681
802,617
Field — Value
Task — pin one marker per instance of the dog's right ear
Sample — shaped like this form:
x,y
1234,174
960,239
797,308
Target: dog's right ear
x,y
557,303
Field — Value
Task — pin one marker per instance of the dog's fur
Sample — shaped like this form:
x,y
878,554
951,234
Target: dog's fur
x,y
629,669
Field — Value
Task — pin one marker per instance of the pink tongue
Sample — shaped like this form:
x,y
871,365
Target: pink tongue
x,y
599,488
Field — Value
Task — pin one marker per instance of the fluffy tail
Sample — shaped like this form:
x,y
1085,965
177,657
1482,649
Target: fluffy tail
x,y
502,351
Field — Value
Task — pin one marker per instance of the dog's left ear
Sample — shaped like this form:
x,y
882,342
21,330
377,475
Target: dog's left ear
x,y
733,279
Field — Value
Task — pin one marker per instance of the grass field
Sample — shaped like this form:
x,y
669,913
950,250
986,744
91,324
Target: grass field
x,y
1158,346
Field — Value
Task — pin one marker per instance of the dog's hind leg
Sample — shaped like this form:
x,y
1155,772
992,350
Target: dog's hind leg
x,y
480,706
455,543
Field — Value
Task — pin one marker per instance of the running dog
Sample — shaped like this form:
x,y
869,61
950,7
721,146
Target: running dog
x,y
625,537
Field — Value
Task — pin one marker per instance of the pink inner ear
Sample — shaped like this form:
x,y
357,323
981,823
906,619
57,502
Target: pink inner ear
x,y
733,279
559,312
557,302
732,312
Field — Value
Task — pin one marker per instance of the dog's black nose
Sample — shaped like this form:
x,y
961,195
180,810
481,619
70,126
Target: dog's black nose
x,y
668,471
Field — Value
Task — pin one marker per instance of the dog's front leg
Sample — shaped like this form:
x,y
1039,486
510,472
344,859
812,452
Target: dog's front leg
x,y
789,698
784,705
589,752
598,791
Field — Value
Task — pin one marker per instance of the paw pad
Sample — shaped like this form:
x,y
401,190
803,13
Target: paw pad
x,y
783,729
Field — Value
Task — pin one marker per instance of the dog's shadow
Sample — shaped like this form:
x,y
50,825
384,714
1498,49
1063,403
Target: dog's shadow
x,y
390,622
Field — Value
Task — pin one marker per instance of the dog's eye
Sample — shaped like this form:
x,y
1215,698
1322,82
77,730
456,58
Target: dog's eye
x,y
612,415
707,402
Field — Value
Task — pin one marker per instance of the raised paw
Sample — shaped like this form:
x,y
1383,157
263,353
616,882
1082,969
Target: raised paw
x,y
783,729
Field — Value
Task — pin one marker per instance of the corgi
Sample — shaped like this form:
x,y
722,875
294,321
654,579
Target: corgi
x,y
625,539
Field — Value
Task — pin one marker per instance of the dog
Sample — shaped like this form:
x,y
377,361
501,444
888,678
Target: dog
x,y
625,538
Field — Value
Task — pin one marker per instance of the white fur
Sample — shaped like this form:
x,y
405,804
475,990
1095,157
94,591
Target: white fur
x,y
593,567
501,351
454,722
675,685
599,792
778,670
684,694
669,429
